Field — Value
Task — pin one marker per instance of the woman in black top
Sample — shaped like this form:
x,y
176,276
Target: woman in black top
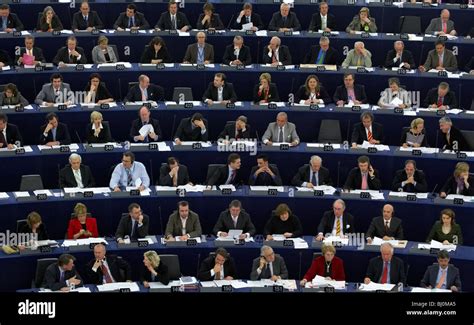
x,y
34,225
265,91
97,130
11,96
460,183
283,222
208,19
153,270
96,91
156,52
446,230
49,21
312,92
415,136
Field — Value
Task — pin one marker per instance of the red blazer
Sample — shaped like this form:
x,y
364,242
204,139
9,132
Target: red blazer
x,y
318,265
75,226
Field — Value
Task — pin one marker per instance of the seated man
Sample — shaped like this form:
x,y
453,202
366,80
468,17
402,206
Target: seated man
x,y
9,22
183,223
281,131
154,132
385,268
30,54
442,275
336,222
9,133
312,174
350,93
264,174
367,130
173,173
85,19
54,133
145,91
410,179
131,19
363,177
441,97
173,19
441,26
70,54
268,266
134,225
106,268
228,174
218,266
55,92
129,173
192,128
237,130
322,20
386,227
219,91
237,53
275,53
359,56
60,276
394,95
284,20
76,174
234,217
322,53
451,137
440,59
399,57
247,16
199,52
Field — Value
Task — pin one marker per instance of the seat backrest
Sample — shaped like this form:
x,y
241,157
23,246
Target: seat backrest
x,y
20,224
172,262
132,83
472,105
41,266
317,254
330,132
211,169
469,136
109,130
410,24
182,93
31,183
114,47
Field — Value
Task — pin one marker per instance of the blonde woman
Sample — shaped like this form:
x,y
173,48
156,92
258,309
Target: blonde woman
x,y
460,183
97,131
415,136
153,270
265,91
82,225
34,225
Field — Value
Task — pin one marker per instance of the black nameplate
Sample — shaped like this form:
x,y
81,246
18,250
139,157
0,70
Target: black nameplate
x,y
288,243
181,192
443,38
211,32
79,67
284,146
280,67
95,32
188,105
434,251
372,150
39,68
361,70
240,67
314,107
463,6
272,105
272,192
147,105
329,290
104,106
226,191
318,193
461,155
64,149
123,290
134,192
56,32
328,147
380,291
440,112
327,34
160,66
364,195
356,108
197,145
20,151
249,32
88,194
19,109
41,197
278,289
320,68
109,147
120,67
288,33
402,71
411,198
173,32
16,33
45,249
153,146
416,152
442,73
226,288
143,243
230,105
365,35
200,66
191,242
175,289
337,244
404,36
398,110
133,31
92,245
458,201
62,107
351,2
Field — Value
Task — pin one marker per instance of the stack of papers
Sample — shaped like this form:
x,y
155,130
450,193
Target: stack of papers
x,y
438,245
372,286
72,147
374,195
320,281
422,149
380,147
162,146
127,65
187,280
113,104
418,289
405,194
457,196
328,190
190,143
376,241
117,286
280,189
84,241
47,243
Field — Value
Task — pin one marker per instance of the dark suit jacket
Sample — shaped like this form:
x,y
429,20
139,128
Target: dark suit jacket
x,y
215,22
432,98
62,134
191,54
104,135
125,227
14,22
359,135
13,134
470,64
225,223
221,174
244,55
5,58
228,92
93,20
341,94
331,57
166,180
55,24
377,228
115,265
101,93
354,180
63,56
207,265
302,95
315,24
137,125
450,186
154,92
401,176
52,277
162,274
278,265
140,21
397,270
284,55
40,231
431,275
454,135
229,130
255,19
265,179
272,94
318,265
37,53
150,54
66,177
277,22
174,225
164,22
185,131
327,222
407,57
303,175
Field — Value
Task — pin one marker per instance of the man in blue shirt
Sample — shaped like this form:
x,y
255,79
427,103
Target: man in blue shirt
x,y
129,173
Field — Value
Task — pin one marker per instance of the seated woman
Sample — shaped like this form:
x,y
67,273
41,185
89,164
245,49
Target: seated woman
x,y
208,19
328,266
415,136
97,131
49,21
34,225
96,91
283,222
153,270
80,225
362,22
11,96
156,52
102,52
312,92
446,230
394,93
265,91
460,183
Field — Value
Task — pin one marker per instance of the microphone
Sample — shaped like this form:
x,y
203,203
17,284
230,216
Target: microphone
x,y
198,259
432,194
421,53
59,177
338,172
437,136
348,130
151,172
258,52
172,127
78,137
230,21
161,221
120,89
258,137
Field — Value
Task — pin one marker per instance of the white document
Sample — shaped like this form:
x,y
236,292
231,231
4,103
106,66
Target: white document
x,y
380,147
229,186
127,65
117,286
439,245
247,26
81,289
372,286
6,68
396,102
454,111
83,241
159,285
184,34
422,149
21,194
102,145
457,196
277,144
234,233
47,243
89,105
197,239
424,290
320,281
261,33
4,195
67,31
376,241
208,284
184,280
405,194
190,143
321,145
280,189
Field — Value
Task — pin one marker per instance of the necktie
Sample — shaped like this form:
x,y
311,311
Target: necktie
x,y
173,22
445,28
274,57
314,181
232,176
441,279
220,95
129,177
56,95
321,56
3,141
143,95
323,22
248,19
29,52
440,101
268,272
386,228
369,135
284,21
131,22
134,230
71,58
85,20
383,280
106,273
364,185
61,276
53,131
338,227
280,135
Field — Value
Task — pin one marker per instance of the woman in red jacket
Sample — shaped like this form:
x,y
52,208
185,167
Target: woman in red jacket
x,y
327,265
82,226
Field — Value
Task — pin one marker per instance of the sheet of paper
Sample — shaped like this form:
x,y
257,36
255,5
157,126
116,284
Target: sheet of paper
x,y
229,186
47,192
190,143
321,145
197,239
331,239
280,189
159,285
247,26
208,284
118,285
261,33
372,286
4,195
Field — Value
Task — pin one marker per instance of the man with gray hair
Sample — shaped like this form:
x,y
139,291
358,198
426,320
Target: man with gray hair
x,y
336,222
312,174
237,53
76,174
385,268
399,57
199,52
268,266
451,137
442,25
275,53
281,131
322,53
359,56
284,20
441,97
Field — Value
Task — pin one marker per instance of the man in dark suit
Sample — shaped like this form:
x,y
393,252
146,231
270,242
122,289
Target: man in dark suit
x,y
336,222
107,268
145,91
131,19
183,223
192,128
153,134
219,91
410,179
322,20
284,20
70,54
172,19
54,133
228,174
442,275
276,54
134,225
237,53
247,16
350,92
218,266
385,268
264,174
441,97
363,177
234,218
85,19
239,129
386,227
399,56
367,130
451,137
312,174
199,52
9,133
173,173
9,22
62,274
76,174
322,53
34,52
268,266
